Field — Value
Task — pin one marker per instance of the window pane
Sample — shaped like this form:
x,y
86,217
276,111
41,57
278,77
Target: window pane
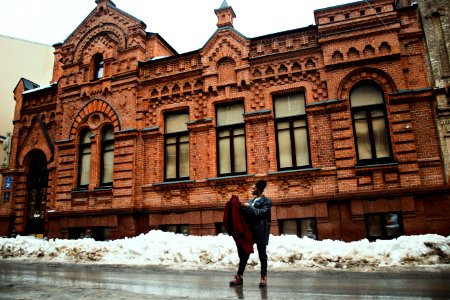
x,y
380,134
238,131
85,165
392,225
239,154
98,66
230,114
374,223
171,161
184,159
283,125
289,105
224,133
86,139
100,70
171,141
224,156
108,134
108,163
176,122
109,146
290,227
366,95
362,136
184,229
184,139
301,147
308,228
172,228
284,148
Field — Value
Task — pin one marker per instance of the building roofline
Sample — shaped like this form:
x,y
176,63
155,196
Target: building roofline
x,y
289,31
167,58
111,5
341,5
24,40
148,34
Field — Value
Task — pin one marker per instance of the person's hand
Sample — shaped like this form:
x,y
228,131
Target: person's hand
x,y
245,204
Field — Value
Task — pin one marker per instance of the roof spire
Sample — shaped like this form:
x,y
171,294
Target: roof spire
x,y
225,15
224,4
98,2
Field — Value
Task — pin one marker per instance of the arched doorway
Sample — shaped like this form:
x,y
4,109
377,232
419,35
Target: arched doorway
x,y
37,182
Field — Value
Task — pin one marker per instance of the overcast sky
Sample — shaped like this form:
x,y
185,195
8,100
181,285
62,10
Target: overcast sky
x,y
184,24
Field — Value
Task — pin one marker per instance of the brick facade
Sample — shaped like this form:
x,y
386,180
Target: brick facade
x,y
143,80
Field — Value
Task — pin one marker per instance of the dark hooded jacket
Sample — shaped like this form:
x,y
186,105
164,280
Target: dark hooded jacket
x,y
259,213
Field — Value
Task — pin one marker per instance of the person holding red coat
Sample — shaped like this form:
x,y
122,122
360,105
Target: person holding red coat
x,y
258,212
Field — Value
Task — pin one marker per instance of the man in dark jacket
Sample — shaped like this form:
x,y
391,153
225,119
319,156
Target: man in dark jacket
x,y
258,210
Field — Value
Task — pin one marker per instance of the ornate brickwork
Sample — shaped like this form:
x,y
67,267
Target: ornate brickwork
x,y
103,127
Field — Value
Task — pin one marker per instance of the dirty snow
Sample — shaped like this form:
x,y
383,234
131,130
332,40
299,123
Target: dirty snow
x,y
286,252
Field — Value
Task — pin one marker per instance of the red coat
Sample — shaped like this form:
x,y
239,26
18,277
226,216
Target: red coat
x,y
237,225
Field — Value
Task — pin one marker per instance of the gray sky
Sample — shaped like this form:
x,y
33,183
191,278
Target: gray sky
x,y
185,24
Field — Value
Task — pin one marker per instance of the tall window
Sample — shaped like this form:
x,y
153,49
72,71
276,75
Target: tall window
x,y
176,140
107,158
370,124
231,140
98,66
85,159
291,131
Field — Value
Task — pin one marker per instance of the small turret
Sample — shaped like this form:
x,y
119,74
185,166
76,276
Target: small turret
x,y
225,15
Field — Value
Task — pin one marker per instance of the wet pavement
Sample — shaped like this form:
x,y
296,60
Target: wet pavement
x,y
63,281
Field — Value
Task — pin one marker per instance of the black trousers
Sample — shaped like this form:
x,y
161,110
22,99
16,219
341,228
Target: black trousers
x,y
243,258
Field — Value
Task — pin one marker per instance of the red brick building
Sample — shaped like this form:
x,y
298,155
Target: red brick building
x,y
132,136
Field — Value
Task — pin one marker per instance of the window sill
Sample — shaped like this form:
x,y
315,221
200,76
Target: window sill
x,y
172,182
80,190
361,169
103,188
230,177
168,184
294,171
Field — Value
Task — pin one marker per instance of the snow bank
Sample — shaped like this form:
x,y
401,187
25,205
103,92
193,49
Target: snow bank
x,y
288,252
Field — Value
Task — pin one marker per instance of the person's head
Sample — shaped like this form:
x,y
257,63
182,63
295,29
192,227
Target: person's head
x,y
259,187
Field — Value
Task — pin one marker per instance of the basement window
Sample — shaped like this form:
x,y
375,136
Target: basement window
x,y
299,227
181,229
384,226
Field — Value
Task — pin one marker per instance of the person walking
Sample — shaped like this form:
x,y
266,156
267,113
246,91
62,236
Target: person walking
x,y
258,211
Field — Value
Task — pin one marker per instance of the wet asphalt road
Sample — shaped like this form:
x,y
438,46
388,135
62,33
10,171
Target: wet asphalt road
x,y
62,281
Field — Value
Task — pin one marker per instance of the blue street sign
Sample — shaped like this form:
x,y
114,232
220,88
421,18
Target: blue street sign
x,y
8,182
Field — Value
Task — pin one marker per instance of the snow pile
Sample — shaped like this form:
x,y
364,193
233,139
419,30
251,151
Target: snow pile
x,y
285,252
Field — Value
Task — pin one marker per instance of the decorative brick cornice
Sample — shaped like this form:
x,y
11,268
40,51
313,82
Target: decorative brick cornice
x,y
369,74
95,106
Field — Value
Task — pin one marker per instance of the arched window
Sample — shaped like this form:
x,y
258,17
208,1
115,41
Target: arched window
x,y
98,66
84,164
370,124
176,145
107,159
